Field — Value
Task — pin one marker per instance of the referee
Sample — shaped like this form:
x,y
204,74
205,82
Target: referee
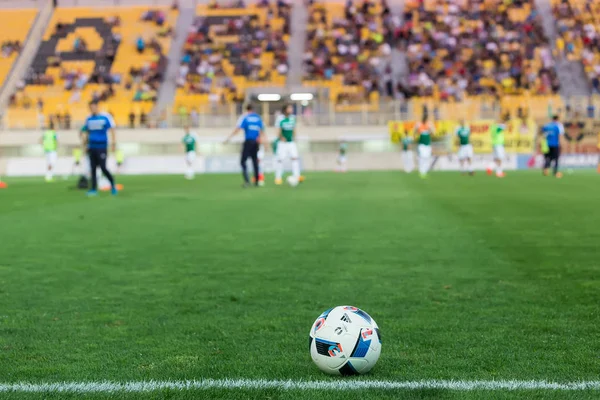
x,y
97,126
254,131
553,132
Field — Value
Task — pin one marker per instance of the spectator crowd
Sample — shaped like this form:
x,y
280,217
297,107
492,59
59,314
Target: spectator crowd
x,y
578,25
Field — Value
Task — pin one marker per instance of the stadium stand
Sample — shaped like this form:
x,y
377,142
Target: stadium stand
x,y
113,55
578,26
14,27
483,48
229,50
348,46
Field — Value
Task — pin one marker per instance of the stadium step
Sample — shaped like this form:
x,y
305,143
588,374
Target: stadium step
x,y
30,46
298,22
166,93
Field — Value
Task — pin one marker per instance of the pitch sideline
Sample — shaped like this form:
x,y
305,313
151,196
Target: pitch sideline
x,y
259,384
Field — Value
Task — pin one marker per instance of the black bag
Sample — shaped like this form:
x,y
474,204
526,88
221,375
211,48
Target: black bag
x,y
83,183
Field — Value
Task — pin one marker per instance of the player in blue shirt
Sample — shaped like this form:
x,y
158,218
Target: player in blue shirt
x,y
254,130
553,132
95,134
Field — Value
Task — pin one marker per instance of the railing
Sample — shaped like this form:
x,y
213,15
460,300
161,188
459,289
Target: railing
x,y
316,113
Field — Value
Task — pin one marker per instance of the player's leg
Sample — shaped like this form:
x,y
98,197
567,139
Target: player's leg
x,y
102,163
424,158
261,166
243,159
50,160
342,163
461,159
279,156
556,156
190,156
254,158
499,150
547,162
93,159
469,158
293,152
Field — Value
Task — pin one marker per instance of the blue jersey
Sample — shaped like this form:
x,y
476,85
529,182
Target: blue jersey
x,y
97,127
252,125
552,131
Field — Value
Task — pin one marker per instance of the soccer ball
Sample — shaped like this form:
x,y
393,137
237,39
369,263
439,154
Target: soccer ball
x,y
292,181
345,340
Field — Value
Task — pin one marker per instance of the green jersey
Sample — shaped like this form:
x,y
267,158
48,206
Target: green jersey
x,y
406,142
498,134
343,149
464,134
189,141
288,126
50,141
425,131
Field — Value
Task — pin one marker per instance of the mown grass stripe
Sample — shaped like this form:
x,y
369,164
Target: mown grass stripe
x,y
258,384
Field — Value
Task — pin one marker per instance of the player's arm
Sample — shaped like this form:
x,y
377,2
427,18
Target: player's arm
x,y
197,139
83,137
237,129
113,140
561,135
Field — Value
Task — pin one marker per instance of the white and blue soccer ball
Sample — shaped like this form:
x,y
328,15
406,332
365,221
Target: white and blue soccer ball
x,y
345,340
292,181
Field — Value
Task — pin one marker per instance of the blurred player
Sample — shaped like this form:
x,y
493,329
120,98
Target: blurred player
x,y
341,160
190,141
120,159
287,146
96,129
408,158
544,150
50,143
425,130
76,169
254,134
554,132
465,151
498,147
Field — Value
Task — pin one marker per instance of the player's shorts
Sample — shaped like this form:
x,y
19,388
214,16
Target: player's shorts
x,y
190,156
424,151
287,149
499,152
342,159
51,158
465,151
261,153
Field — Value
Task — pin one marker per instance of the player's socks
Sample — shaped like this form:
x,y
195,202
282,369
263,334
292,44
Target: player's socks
x,y
278,171
296,168
49,177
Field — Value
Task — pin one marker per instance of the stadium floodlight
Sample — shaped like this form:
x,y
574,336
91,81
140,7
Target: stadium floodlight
x,y
301,96
269,97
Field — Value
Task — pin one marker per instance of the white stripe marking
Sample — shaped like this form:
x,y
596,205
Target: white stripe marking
x,y
151,386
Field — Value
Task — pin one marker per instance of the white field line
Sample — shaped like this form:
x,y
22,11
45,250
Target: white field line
x,y
258,384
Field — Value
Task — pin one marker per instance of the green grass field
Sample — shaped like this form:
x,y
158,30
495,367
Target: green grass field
x,y
469,278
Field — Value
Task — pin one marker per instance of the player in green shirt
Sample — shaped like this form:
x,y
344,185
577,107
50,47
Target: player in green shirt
x,y
50,143
341,161
407,153
465,151
287,146
425,130
190,142
498,146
